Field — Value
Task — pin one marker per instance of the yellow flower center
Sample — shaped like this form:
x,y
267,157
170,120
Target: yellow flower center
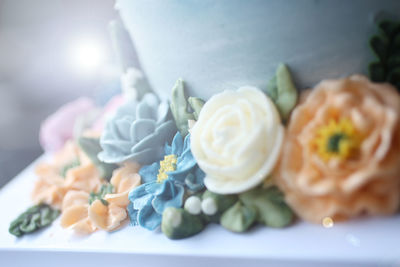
x,y
338,139
166,165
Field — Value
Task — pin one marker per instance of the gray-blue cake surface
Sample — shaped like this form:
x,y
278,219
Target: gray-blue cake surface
x,y
224,44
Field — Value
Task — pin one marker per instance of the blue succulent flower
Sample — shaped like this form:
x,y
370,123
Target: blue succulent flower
x,y
138,132
164,184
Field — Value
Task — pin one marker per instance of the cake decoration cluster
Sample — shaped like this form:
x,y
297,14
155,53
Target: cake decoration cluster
x,y
244,157
165,184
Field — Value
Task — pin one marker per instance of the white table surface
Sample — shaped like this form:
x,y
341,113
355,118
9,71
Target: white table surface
x,y
368,242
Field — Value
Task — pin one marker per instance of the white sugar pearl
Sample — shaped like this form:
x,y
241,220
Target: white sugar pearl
x,y
193,205
173,217
208,206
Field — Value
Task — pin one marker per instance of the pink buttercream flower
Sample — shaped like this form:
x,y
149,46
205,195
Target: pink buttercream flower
x,y
58,128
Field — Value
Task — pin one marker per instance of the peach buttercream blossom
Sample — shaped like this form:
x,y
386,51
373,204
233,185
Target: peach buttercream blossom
x,y
341,155
75,212
51,186
109,217
86,218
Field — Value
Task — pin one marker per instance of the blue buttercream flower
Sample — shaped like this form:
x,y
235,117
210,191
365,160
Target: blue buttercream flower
x,y
137,132
164,184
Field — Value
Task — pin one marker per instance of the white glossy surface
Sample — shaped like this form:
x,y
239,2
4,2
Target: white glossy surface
x,y
372,242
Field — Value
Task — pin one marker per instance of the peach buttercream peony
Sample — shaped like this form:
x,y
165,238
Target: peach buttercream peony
x,y
341,156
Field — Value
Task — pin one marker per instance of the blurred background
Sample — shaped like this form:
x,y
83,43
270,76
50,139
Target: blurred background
x,y
51,52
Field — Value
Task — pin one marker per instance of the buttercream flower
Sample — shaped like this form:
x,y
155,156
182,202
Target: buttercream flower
x,y
108,210
50,187
237,140
138,132
164,184
341,156
71,170
109,217
124,179
84,177
75,212
58,128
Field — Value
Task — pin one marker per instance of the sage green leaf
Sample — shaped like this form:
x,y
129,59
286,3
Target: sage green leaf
x,y
67,167
282,91
184,109
380,46
238,218
33,219
272,89
179,108
223,203
270,205
177,223
104,190
91,147
196,104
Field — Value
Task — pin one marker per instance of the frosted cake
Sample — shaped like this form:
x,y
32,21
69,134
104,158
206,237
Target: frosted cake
x,y
221,127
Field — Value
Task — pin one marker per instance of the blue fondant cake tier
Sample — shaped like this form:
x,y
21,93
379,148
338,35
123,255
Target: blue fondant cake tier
x,y
225,44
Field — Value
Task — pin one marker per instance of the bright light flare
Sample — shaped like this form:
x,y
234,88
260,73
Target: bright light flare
x,y
86,56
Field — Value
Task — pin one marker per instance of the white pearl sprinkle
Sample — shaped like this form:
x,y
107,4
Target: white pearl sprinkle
x,y
193,205
208,206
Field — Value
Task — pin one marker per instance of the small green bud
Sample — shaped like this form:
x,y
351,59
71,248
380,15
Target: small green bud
x,y
177,223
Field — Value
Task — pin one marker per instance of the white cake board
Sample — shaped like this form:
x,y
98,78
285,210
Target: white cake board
x,y
371,242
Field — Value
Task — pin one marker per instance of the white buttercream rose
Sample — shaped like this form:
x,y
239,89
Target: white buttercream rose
x,y
237,140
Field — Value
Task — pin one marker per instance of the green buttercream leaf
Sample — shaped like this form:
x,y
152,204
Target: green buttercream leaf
x,y
180,107
196,104
33,219
104,190
394,77
394,61
272,89
177,223
91,147
377,72
380,46
238,218
282,91
389,28
386,47
396,44
223,203
67,167
270,205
